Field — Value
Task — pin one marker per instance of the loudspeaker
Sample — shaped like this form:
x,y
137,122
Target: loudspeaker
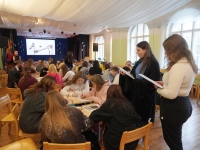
x,y
95,47
3,42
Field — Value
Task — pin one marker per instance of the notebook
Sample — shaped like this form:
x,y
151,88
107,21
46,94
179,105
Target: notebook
x,y
155,83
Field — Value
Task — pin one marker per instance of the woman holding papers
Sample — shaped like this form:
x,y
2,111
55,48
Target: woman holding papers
x,y
139,91
175,106
77,86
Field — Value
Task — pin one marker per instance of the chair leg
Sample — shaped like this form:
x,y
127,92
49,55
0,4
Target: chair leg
x,y
9,128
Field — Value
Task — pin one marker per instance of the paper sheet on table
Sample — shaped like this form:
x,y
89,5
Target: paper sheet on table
x,y
145,77
126,72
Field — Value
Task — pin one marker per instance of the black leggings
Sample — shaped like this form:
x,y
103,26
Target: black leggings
x,y
173,113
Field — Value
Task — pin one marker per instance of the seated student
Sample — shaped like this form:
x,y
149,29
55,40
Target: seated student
x,y
45,66
77,86
61,123
54,73
110,74
116,79
85,68
118,115
27,79
33,107
99,90
66,73
129,64
95,69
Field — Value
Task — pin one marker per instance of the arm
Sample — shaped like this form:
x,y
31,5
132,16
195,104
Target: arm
x,y
175,80
66,76
65,91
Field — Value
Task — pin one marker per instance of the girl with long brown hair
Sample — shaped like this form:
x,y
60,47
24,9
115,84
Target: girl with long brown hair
x,y
77,86
118,115
66,73
61,123
175,105
33,106
99,90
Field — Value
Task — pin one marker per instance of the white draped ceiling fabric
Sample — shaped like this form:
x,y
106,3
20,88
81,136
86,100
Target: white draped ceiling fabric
x,y
82,16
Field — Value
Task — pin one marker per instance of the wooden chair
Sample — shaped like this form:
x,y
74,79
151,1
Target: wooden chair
x,y
58,87
163,70
130,136
4,80
12,117
25,144
198,93
193,92
15,95
79,146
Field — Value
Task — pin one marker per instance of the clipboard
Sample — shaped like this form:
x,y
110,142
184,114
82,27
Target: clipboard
x,y
145,77
126,72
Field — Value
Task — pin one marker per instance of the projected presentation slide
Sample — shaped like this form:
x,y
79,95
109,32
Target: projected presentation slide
x,y
40,47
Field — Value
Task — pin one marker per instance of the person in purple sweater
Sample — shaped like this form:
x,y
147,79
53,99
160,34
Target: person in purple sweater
x,y
27,79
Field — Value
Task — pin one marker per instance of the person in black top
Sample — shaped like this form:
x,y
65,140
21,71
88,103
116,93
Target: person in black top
x,y
118,115
45,66
68,60
95,69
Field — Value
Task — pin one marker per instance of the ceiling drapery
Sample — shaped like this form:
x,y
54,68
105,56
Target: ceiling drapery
x,y
83,16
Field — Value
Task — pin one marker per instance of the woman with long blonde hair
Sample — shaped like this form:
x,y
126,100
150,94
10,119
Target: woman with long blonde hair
x,y
61,123
54,73
175,105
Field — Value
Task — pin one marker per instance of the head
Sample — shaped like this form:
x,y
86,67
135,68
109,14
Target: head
x,y
114,71
50,60
46,84
16,53
39,62
69,54
176,48
107,66
90,63
52,68
97,82
85,64
128,64
30,62
79,78
115,91
45,64
64,68
19,63
127,69
96,64
27,72
74,61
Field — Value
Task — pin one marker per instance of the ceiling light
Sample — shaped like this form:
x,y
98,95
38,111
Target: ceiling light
x,y
62,32
29,30
44,31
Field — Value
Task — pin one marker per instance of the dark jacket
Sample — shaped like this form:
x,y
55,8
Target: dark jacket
x,y
13,76
43,72
118,119
65,136
94,71
141,92
32,112
68,62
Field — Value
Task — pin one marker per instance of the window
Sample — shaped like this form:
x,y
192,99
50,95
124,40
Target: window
x,y
191,33
100,53
137,34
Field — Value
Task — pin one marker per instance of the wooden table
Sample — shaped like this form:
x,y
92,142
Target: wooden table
x,y
77,100
25,144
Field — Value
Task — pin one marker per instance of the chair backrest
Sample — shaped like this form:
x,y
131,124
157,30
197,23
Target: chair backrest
x,y
5,100
79,146
58,87
130,136
4,80
163,70
197,76
14,93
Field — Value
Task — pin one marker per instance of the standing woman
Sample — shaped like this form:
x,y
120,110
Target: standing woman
x,y
139,91
68,60
175,106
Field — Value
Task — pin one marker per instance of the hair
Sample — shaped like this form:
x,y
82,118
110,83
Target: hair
x,y
115,94
55,108
85,64
30,62
126,68
78,75
50,59
65,69
107,66
43,63
96,64
91,61
176,48
46,84
19,62
98,80
145,46
74,61
69,55
27,71
114,68
52,68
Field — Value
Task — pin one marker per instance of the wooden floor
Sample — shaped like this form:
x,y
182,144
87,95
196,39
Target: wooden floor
x,y
191,132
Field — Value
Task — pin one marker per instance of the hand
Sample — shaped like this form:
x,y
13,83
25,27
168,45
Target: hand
x,y
74,95
82,96
122,73
89,98
159,82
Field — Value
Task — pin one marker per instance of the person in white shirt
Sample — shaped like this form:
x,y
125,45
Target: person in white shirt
x,y
77,86
175,105
66,74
